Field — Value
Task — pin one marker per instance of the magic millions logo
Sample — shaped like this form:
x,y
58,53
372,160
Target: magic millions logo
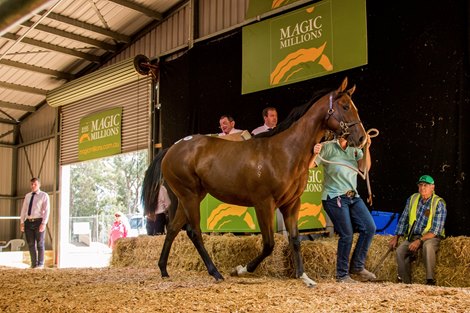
x,y
300,45
100,134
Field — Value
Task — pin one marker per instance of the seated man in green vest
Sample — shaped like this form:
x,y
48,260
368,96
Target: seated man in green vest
x,y
422,225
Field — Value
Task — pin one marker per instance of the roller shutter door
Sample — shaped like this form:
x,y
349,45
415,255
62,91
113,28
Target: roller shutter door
x,y
135,98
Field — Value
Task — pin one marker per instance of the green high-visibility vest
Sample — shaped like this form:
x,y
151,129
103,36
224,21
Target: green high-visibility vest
x,y
432,210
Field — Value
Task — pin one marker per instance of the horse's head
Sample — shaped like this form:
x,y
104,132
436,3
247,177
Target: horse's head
x,y
343,118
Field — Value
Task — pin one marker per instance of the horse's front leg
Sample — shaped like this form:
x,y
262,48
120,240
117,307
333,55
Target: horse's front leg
x,y
196,238
290,214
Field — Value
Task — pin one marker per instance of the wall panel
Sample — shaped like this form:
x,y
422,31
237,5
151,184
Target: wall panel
x,y
40,124
6,170
37,160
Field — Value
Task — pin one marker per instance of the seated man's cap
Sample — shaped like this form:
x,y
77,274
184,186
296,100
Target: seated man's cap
x,y
426,179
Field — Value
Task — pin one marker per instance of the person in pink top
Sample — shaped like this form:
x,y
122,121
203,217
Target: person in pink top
x,y
119,229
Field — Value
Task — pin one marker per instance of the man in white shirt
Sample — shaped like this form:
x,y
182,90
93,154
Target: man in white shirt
x,y
270,121
34,216
227,125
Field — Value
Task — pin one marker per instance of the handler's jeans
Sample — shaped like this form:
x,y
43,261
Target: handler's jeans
x,y
350,214
405,256
35,240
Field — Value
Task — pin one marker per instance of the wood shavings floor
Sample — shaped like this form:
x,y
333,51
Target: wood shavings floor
x,y
143,290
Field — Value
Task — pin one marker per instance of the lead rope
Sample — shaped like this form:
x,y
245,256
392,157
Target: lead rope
x,y
373,132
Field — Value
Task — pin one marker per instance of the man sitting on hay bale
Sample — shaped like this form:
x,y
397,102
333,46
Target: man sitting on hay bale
x,y
423,223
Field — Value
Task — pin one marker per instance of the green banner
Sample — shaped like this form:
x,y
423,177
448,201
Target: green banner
x,y
316,40
99,135
217,216
258,7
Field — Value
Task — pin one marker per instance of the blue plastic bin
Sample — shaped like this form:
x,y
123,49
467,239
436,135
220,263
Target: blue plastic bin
x,y
386,222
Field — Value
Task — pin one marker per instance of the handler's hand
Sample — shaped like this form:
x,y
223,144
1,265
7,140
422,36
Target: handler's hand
x,y
369,141
42,227
317,148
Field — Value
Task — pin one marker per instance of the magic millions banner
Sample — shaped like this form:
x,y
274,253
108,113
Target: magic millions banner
x,y
99,134
319,39
217,216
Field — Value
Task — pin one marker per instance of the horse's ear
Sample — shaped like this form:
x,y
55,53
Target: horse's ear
x,y
343,86
351,90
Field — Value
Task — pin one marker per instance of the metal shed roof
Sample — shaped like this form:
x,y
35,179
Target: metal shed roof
x,y
44,44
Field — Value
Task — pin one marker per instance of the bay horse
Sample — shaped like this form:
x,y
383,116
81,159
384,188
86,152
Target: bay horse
x,y
266,172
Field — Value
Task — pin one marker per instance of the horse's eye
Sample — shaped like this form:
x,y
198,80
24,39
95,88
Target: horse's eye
x,y
346,107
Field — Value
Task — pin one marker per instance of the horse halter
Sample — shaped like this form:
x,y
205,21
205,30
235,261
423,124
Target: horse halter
x,y
343,125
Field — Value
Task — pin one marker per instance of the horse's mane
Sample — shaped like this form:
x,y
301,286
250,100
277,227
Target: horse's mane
x,y
295,114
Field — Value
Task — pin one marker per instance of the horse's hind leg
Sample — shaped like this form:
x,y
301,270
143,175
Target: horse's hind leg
x,y
174,228
290,214
266,225
196,237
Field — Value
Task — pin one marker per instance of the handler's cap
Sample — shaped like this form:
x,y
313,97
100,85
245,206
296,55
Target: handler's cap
x,y
426,179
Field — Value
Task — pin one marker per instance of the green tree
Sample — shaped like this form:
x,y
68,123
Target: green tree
x,y
105,185
130,171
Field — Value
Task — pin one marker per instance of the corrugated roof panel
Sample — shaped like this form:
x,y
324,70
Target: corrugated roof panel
x,y
70,5
26,53
19,97
16,114
84,22
37,56
80,10
85,12
59,41
14,96
26,78
4,45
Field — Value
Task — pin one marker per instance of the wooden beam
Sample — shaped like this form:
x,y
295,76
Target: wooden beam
x,y
65,34
23,88
37,69
136,7
17,106
89,27
48,46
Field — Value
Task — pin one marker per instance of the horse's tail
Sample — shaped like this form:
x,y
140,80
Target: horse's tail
x,y
151,185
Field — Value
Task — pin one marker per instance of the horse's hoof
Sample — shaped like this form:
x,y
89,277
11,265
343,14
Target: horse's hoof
x,y
239,271
312,285
308,281
219,279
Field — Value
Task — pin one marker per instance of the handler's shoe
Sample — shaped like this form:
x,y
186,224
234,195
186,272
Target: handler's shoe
x,y
364,275
346,280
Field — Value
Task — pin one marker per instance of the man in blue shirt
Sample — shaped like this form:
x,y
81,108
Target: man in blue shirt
x,y
422,225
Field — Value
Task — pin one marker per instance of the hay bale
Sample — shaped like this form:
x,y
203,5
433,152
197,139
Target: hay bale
x,y
227,251
453,262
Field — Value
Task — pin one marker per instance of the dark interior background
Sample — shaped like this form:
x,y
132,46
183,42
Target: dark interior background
x,y
415,90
